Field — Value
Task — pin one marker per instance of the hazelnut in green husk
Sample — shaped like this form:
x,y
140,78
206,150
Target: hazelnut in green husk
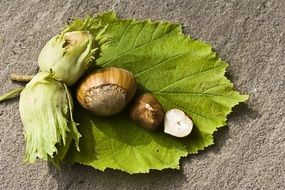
x,y
46,112
68,55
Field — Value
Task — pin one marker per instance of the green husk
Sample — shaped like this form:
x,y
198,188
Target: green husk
x,y
46,112
68,55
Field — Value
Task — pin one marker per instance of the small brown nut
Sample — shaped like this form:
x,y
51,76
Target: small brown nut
x,y
106,91
147,111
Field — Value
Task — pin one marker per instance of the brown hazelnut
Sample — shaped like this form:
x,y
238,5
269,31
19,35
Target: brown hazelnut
x,y
106,91
147,111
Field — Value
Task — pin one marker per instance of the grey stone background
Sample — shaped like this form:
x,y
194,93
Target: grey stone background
x,y
249,34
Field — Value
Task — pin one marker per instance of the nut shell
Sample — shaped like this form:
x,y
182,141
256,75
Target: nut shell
x,y
106,91
147,111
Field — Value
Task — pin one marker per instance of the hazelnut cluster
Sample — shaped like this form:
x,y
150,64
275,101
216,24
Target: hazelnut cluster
x,y
108,91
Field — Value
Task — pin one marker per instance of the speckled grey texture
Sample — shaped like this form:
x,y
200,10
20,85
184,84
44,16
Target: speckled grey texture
x,y
249,34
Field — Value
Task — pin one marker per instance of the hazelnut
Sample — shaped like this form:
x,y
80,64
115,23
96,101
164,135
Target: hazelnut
x,y
147,111
177,123
106,91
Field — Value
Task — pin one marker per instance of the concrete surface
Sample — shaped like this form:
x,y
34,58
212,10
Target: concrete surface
x,y
249,34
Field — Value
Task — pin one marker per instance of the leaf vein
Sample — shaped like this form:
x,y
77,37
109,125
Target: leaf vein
x,y
113,151
140,46
135,41
160,63
124,33
185,78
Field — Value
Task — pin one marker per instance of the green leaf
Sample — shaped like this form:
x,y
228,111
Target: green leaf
x,y
182,73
